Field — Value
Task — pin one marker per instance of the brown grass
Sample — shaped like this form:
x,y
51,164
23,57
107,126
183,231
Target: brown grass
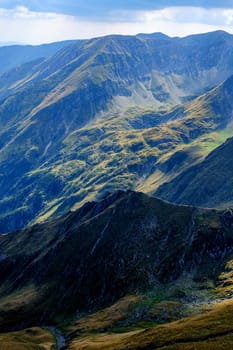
x,y
213,330
28,339
19,298
107,317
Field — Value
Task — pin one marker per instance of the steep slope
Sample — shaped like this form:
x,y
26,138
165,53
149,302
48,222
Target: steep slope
x,y
152,68
127,242
67,130
139,149
206,184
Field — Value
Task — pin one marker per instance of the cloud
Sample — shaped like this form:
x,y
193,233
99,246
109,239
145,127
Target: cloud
x,y
23,25
214,16
100,9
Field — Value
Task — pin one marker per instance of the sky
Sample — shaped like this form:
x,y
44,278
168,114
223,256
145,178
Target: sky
x,y
41,21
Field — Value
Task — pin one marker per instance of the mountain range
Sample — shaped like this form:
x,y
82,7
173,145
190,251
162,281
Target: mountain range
x,y
116,193
110,113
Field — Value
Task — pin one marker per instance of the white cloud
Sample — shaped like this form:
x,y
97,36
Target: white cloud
x,y
200,15
228,15
22,25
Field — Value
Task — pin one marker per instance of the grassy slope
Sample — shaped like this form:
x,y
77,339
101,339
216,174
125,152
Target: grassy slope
x,y
134,321
28,339
140,149
208,325
205,331
206,184
60,165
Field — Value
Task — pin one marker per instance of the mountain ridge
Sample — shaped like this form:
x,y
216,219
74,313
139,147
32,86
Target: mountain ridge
x,y
54,110
13,56
136,240
101,266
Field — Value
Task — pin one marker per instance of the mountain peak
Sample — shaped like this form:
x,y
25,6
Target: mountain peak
x,y
209,38
155,36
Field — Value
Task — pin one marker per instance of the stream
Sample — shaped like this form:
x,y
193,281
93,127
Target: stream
x,y
60,339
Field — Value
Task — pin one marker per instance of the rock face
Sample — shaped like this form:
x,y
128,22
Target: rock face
x,y
53,151
124,243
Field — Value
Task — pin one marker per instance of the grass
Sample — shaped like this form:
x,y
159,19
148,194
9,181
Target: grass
x,y
19,298
118,326
209,331
106,318
141,148
155,146
29,339
139,142
225,281
113,328
212,140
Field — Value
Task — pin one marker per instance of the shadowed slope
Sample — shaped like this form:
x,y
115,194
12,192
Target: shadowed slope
x,y
124,243
206,184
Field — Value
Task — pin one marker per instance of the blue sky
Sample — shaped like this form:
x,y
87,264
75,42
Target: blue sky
x,y
37,21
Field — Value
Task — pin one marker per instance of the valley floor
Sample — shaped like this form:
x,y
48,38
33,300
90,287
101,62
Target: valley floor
x,y
207,331
185,316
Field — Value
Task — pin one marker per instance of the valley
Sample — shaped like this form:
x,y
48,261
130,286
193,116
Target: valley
x,y
107,114
116,196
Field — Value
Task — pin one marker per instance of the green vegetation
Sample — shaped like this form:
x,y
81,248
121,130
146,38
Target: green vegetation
x,y
208,183
101,115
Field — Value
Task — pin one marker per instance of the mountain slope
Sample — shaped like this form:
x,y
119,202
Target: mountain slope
x,y
201,332
163,70
139,149
206,184
67,132
28,339
125,243
13,56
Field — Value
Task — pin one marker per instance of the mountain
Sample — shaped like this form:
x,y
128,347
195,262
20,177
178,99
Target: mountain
x,y
80,126
100,115
204,331
113,271
125,243
153,68
208,183
13,56
147,147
